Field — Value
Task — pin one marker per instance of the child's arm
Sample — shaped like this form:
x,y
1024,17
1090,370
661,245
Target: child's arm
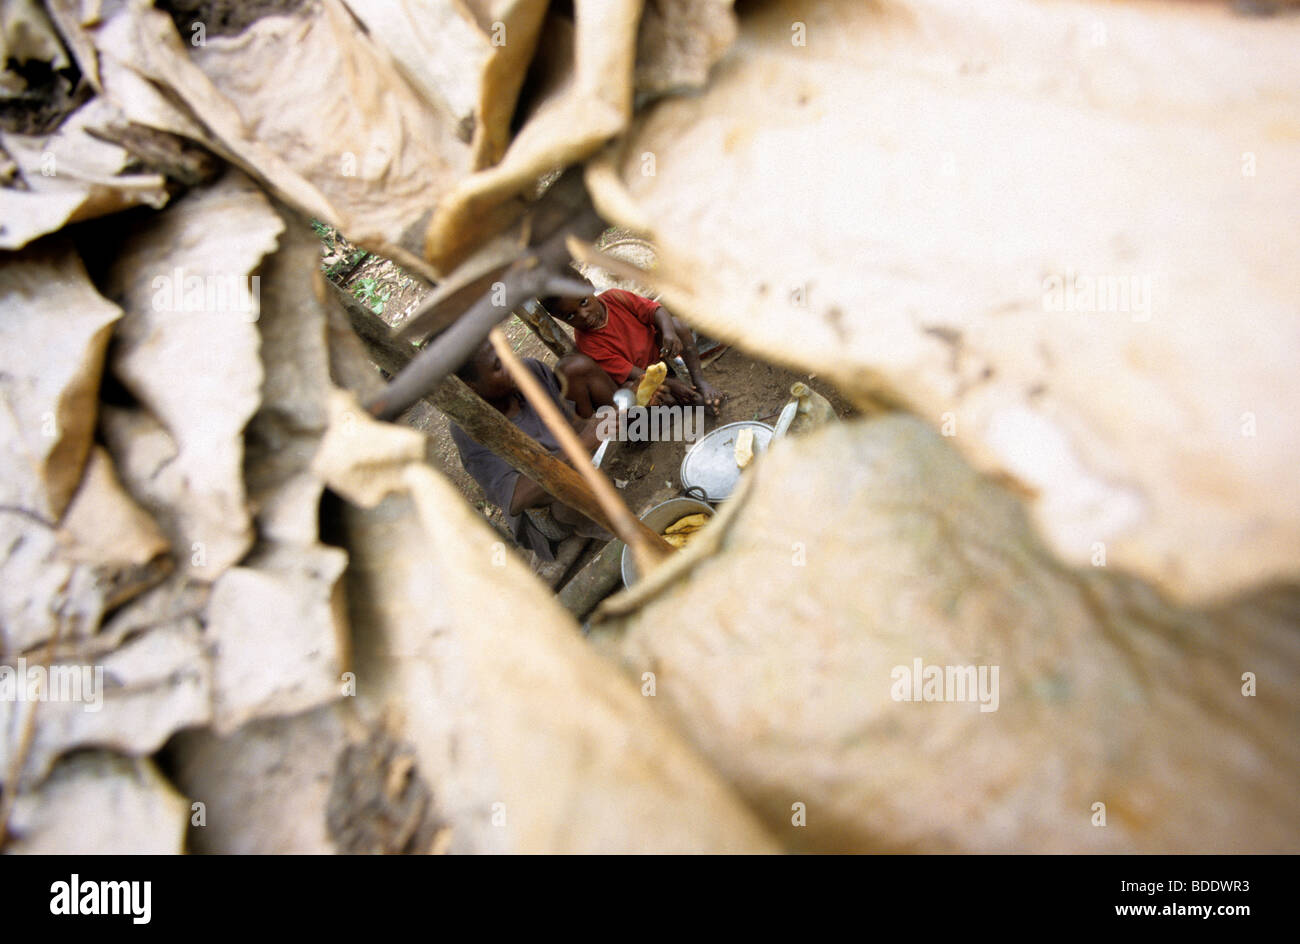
x,y
670,341
685,342
528,494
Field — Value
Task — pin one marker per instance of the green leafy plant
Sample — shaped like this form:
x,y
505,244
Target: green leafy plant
x,y
346,264
368,291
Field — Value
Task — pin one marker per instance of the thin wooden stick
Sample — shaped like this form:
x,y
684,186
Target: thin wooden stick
x,y
545,328
645,549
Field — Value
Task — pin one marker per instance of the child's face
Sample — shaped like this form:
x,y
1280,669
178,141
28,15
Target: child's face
x,y
493,381
583,312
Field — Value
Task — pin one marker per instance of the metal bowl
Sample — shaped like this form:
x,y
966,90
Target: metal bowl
x,y
710,464
658,518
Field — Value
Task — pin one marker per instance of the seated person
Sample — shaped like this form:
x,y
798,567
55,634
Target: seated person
x,y
534,517
625,333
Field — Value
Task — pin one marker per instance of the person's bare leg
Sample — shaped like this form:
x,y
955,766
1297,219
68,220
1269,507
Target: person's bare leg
x,y
713,397
584,382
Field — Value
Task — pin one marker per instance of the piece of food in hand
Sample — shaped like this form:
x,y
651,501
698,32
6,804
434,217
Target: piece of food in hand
x,y
650,382
744,447
688,524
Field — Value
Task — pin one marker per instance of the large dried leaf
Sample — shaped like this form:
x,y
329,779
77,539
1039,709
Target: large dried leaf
x,y
467,65
53,333
530,741
130,699
283,436
361,149
64,580
870,545
70,175
889,202
265,787
678,42
100,804
279,633
105,552
189,351
587,100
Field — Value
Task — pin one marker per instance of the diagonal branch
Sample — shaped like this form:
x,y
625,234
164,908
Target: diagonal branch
x,y
647,547
542,270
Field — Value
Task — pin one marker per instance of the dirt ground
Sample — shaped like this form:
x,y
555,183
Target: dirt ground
x,y
756,390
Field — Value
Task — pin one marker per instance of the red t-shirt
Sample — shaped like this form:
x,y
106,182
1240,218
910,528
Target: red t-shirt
x,y
628,339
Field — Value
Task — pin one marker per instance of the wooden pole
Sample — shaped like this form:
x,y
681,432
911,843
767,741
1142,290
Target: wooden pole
x,y
648,548
594,582
544,326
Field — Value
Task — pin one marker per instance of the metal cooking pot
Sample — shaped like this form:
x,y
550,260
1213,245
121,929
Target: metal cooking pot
x,y
658,518
709,469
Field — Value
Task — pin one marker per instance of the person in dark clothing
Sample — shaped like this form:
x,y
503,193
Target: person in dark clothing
x,y
535,518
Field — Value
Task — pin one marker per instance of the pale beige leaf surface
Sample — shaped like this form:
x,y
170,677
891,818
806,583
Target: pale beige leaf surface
x,y
152,685
867,545
467,61
41,588
53,334
437,45
265,787
70,175
283,436
586,100
144,455
106,550
279,634
512,28
172,602
100,804
678,42
886,203
362,149
104,526
71,18
27,34
120,48
185,280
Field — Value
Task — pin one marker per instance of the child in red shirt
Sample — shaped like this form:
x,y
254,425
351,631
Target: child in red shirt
x,y
624,333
